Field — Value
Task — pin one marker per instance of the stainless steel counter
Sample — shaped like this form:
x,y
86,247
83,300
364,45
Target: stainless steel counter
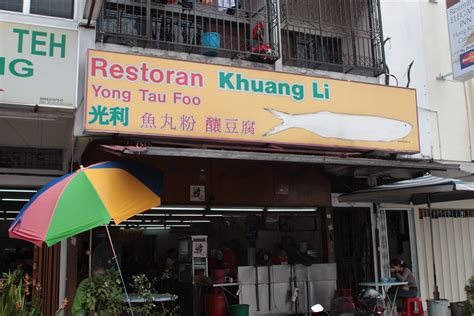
x,y
276,284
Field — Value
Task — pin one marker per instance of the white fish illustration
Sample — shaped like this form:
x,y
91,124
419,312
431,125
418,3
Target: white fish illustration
x,y
343,126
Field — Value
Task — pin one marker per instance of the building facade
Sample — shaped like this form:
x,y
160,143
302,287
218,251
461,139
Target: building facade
x,y
223,96
38,93
418,55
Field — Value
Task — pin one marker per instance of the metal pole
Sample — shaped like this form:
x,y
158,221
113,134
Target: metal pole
x,y
148,21
62,273
372,32
90,253
320,33
269,288
435,291
118,268
257,292
354,47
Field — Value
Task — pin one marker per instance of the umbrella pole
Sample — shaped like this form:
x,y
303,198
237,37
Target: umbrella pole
x,y
90,253
435,290
118,268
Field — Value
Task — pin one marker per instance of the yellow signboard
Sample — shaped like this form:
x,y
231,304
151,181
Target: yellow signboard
x,y
141,95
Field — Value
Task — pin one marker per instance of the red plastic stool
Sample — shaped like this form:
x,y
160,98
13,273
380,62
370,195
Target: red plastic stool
x,y
347,293
344,293
412,306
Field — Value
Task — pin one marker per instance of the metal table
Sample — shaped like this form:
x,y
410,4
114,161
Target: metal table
x,y
385,286
224,285
135,298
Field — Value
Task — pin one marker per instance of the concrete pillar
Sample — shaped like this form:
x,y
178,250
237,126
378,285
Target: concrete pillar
x,y
327,233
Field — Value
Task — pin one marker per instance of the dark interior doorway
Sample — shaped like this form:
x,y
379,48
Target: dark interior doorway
x,y
398,236
353,247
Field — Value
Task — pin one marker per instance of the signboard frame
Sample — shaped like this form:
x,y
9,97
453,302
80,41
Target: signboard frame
x,y
413,106
37,59
461,38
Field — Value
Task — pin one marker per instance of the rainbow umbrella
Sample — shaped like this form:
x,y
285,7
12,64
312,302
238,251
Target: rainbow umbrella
x,y
88,198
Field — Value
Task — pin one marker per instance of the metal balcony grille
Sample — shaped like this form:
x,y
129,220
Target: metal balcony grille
x,y
31,158
194,26
334,35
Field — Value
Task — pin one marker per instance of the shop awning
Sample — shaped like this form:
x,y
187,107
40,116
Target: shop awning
x,y
422,190
280,157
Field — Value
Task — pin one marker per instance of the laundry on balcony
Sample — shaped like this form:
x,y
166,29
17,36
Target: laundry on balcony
x,y
210,27
223,5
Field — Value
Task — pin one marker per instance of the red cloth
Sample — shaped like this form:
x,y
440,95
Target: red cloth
x,y
257,31
230,259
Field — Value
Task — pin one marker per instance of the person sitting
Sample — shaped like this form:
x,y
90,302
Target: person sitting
x,y
401,271
279,257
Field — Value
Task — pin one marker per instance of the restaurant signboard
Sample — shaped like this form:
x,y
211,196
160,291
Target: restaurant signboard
x,y
38,65
156,97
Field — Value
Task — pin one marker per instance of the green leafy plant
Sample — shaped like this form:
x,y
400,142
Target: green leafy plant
x,y
145,288
19,297
103,294
15,299
468,309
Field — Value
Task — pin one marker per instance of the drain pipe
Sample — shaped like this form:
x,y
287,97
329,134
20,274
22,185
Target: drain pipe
x,y
468,104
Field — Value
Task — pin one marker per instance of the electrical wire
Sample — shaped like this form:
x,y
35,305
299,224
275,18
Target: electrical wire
x,y
273,293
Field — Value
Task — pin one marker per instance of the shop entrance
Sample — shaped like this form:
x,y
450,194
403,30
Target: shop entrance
x,y
353,246
265,228
155,244
399,226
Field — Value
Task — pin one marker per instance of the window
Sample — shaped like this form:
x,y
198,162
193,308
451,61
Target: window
x,y
319,49
11,5
57,8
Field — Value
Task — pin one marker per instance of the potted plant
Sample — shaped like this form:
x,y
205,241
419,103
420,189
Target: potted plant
x,y
468,309
260,47
102,294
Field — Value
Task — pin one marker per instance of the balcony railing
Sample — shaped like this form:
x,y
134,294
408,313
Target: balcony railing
x,y
335,35
248,30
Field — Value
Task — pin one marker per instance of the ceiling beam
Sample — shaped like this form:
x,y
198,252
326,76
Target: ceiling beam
x,y
283,157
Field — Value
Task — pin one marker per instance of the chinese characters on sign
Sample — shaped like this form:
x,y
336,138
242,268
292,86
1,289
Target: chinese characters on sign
x,y
112,116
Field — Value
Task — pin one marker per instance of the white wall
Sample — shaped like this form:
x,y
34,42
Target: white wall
x,y
418,31
453,253
447,98
402,24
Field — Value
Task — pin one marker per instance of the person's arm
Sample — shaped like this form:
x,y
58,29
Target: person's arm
x,y
403,277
